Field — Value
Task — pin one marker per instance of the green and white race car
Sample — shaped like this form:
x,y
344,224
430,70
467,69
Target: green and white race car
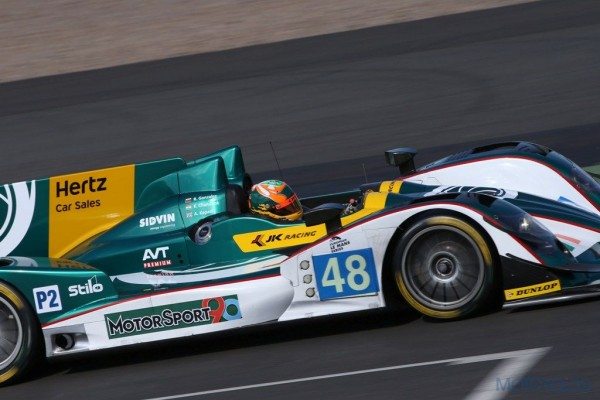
x,y
167,249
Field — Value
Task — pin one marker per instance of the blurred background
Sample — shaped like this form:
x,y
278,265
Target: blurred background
x,y
141,80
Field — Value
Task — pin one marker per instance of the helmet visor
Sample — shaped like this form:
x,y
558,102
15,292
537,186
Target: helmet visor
x,y
292,207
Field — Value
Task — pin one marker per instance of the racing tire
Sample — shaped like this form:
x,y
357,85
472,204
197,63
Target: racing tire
x,y
19,336
444,268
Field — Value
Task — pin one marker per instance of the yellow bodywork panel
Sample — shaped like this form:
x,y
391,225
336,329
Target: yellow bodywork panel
x,y
373,202
84,204
279,238
390,186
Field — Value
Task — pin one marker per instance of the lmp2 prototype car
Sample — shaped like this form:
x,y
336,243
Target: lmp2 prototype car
x,y
167,249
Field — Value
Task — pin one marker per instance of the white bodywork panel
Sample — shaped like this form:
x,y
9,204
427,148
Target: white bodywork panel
x,y
577,237
510,173
260,300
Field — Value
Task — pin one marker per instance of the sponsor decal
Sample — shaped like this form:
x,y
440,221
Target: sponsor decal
x,y
495,192
291,236
73,188
337,244
91,286
279,238
84,204
78,205
158,222
261,240
158,257
17,204
533,290
47,299
173,316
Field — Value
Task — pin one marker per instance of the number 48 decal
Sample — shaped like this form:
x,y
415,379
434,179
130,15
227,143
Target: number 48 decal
x,y
345,274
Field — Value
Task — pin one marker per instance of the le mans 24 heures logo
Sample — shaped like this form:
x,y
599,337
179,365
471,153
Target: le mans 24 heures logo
x,y
17,204
173,316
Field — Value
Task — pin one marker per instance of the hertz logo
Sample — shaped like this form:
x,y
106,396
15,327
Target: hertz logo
x,y
533,290
91,184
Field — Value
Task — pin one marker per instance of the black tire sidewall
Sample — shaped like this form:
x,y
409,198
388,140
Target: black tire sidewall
x,y
30,345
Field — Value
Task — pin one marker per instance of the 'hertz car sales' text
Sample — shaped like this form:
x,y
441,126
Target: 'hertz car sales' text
x,y
73,188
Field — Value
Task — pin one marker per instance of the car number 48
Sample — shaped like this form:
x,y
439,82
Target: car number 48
x,y
345,274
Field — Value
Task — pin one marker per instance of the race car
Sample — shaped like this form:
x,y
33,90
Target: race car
x,y
167,249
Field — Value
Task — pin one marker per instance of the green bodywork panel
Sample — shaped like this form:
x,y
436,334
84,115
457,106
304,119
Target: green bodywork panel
x,y
75,281
168,200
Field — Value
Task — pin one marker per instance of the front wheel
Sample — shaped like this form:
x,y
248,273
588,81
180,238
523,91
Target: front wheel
x,y
19,335
444,268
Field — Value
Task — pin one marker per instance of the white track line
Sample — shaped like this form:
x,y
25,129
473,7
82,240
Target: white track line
x,y
513,368
516,364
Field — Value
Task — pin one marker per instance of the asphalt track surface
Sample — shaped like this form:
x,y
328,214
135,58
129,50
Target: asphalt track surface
x,y
330,105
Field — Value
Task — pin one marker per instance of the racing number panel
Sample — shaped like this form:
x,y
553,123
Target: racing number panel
x,y
345,274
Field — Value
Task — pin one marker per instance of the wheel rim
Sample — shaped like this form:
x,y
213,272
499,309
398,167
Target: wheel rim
x,y
11,333
443,267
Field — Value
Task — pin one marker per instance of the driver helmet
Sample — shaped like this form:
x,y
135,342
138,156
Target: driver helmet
x,y
275,199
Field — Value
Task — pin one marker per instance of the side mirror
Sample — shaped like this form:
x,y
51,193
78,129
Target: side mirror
x,y
403,158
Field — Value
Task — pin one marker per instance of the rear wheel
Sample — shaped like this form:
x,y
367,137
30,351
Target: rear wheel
x,y
19,335
444,268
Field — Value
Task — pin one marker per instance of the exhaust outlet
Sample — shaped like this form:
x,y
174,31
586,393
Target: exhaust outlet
x,y
65,341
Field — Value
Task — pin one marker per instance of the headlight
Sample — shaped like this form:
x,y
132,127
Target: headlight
x,y
527,226
536,235
529,231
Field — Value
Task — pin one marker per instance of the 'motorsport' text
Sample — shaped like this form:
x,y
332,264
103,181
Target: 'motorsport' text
x,y
173,316
166,319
